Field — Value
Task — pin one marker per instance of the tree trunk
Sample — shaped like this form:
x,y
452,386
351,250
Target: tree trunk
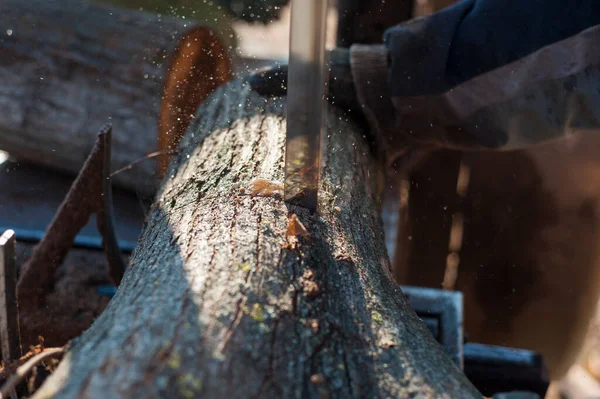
x,y
230,295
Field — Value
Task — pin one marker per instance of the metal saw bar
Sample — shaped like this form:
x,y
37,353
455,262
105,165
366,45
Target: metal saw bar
x,y
305,102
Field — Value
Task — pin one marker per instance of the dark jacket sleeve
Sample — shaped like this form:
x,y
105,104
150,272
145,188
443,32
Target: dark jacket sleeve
x,y
496,74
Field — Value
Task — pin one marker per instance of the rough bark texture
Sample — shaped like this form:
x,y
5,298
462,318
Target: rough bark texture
x,y
219,302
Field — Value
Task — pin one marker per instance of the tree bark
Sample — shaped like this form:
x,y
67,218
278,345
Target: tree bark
x,y
226,296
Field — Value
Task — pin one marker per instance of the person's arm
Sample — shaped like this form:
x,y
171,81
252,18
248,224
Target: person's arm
x,y
491,74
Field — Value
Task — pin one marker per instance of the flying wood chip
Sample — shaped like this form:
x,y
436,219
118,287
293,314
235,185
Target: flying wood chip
x,y
296,228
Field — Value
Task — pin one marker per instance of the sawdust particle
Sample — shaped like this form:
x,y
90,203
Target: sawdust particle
x,y
314,325
292,244
308,274
387,343
310,287
317,379
266,188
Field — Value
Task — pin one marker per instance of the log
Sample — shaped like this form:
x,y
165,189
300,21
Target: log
x,y
233,293
69,67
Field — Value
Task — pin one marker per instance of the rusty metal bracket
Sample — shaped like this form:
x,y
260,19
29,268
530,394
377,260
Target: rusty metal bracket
x,y
90,193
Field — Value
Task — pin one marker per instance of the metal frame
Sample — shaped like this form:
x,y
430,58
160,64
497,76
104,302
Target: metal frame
x,y
443,309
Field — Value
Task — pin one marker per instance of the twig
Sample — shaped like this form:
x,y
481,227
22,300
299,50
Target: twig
x,y
23,370
12,367
144,158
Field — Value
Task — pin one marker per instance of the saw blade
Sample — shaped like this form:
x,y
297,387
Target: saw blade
x,y
305,102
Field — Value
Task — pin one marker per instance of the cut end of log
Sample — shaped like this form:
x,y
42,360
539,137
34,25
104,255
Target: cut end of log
x,y
200,65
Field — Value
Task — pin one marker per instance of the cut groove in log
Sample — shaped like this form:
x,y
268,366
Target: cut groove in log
x,y
219,302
